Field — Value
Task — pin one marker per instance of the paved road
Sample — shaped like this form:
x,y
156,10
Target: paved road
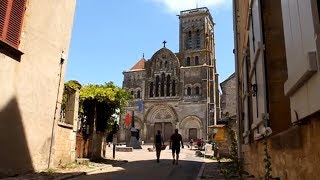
x,y
142,165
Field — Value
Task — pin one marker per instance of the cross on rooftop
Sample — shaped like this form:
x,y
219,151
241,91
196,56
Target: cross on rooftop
x,y
164,43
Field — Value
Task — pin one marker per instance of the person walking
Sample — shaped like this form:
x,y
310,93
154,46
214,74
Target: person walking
x,y
175,140
191,143
158,142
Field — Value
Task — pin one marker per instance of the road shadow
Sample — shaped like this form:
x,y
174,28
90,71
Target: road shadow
x,y
149,169
14,152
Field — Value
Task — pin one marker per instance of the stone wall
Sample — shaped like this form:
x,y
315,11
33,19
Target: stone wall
x,y
29,87
294,153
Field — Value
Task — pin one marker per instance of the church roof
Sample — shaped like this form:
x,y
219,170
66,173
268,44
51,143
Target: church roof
x,y
139,64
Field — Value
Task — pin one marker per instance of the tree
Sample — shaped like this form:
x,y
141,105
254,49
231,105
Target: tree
x,y
103,101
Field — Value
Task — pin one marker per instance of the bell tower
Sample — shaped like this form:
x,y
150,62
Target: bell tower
x,y
199,77
196,37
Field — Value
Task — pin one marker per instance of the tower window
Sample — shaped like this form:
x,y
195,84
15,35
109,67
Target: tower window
x,y
189,40
196,60
188,61
198,39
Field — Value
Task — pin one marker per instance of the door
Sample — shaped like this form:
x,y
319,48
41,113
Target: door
x,y
168,130
193,134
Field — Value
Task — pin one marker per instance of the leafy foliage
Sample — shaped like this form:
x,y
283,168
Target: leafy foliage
x,y
105,101
69,86
109,93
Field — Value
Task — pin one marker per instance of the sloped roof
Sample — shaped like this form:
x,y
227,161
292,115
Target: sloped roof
x,y
139,64
230,77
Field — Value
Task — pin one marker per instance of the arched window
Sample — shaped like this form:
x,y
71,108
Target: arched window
x,y
157,86
165,64
132,93
163,78
160,64
168,85
198,39
151,89
189,91
173,88
196,60
197,90
188,61
138,94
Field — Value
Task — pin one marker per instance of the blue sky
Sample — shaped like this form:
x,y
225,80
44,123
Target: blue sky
x,y
111,36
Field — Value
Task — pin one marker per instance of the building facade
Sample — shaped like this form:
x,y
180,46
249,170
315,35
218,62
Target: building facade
x,y
177,90
34,45
277,71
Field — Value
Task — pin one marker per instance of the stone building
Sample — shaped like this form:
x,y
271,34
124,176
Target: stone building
x,y
277,71
34,45
177,90
228,98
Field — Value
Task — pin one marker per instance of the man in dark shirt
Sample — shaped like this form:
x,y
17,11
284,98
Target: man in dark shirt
x,y
175,140
158,142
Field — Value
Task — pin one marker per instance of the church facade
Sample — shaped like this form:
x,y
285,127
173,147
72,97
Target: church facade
x,y
176,90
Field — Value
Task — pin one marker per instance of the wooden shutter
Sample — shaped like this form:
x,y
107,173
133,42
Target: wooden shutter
x,y
11,17
15,22
3,12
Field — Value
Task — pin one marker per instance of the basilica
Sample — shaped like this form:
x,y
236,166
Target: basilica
x,y
176,90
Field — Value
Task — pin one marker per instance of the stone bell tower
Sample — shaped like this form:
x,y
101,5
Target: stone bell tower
x,y
197,56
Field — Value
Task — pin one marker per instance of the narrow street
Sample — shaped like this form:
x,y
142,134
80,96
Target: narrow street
x,y
142,165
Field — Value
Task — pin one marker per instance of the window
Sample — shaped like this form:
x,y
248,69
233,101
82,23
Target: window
x,y
197,90
168,85
157,86
188,61
132,93
138,94
188,91
196,60
166,64
198,39
11,17
173,88
163,77
151,89
160,64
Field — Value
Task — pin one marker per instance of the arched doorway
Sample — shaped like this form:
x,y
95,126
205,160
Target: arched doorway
x,y
161,117
191,128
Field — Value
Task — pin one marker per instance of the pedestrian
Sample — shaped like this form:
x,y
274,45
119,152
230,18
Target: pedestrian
x,y
191,143
158,141
199,144
175,140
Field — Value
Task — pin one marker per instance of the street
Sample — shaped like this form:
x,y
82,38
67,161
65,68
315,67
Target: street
x,y
142,165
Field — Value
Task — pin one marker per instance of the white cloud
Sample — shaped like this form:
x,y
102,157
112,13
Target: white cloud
x,y
178,5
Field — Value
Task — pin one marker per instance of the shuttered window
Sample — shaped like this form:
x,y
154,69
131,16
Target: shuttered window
x,y
11,17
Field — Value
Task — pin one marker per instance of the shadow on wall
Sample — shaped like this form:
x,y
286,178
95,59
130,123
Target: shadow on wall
x,y
14,153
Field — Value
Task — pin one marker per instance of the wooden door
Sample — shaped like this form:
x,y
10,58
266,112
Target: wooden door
x,y
193,134
168,131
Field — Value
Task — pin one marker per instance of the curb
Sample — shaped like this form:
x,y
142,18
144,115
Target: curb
x,y
83,173
201,171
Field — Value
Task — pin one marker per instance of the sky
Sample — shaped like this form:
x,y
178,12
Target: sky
x,y
109,37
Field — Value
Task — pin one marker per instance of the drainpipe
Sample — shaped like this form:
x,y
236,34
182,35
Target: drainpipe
x,y
235,19
56,107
